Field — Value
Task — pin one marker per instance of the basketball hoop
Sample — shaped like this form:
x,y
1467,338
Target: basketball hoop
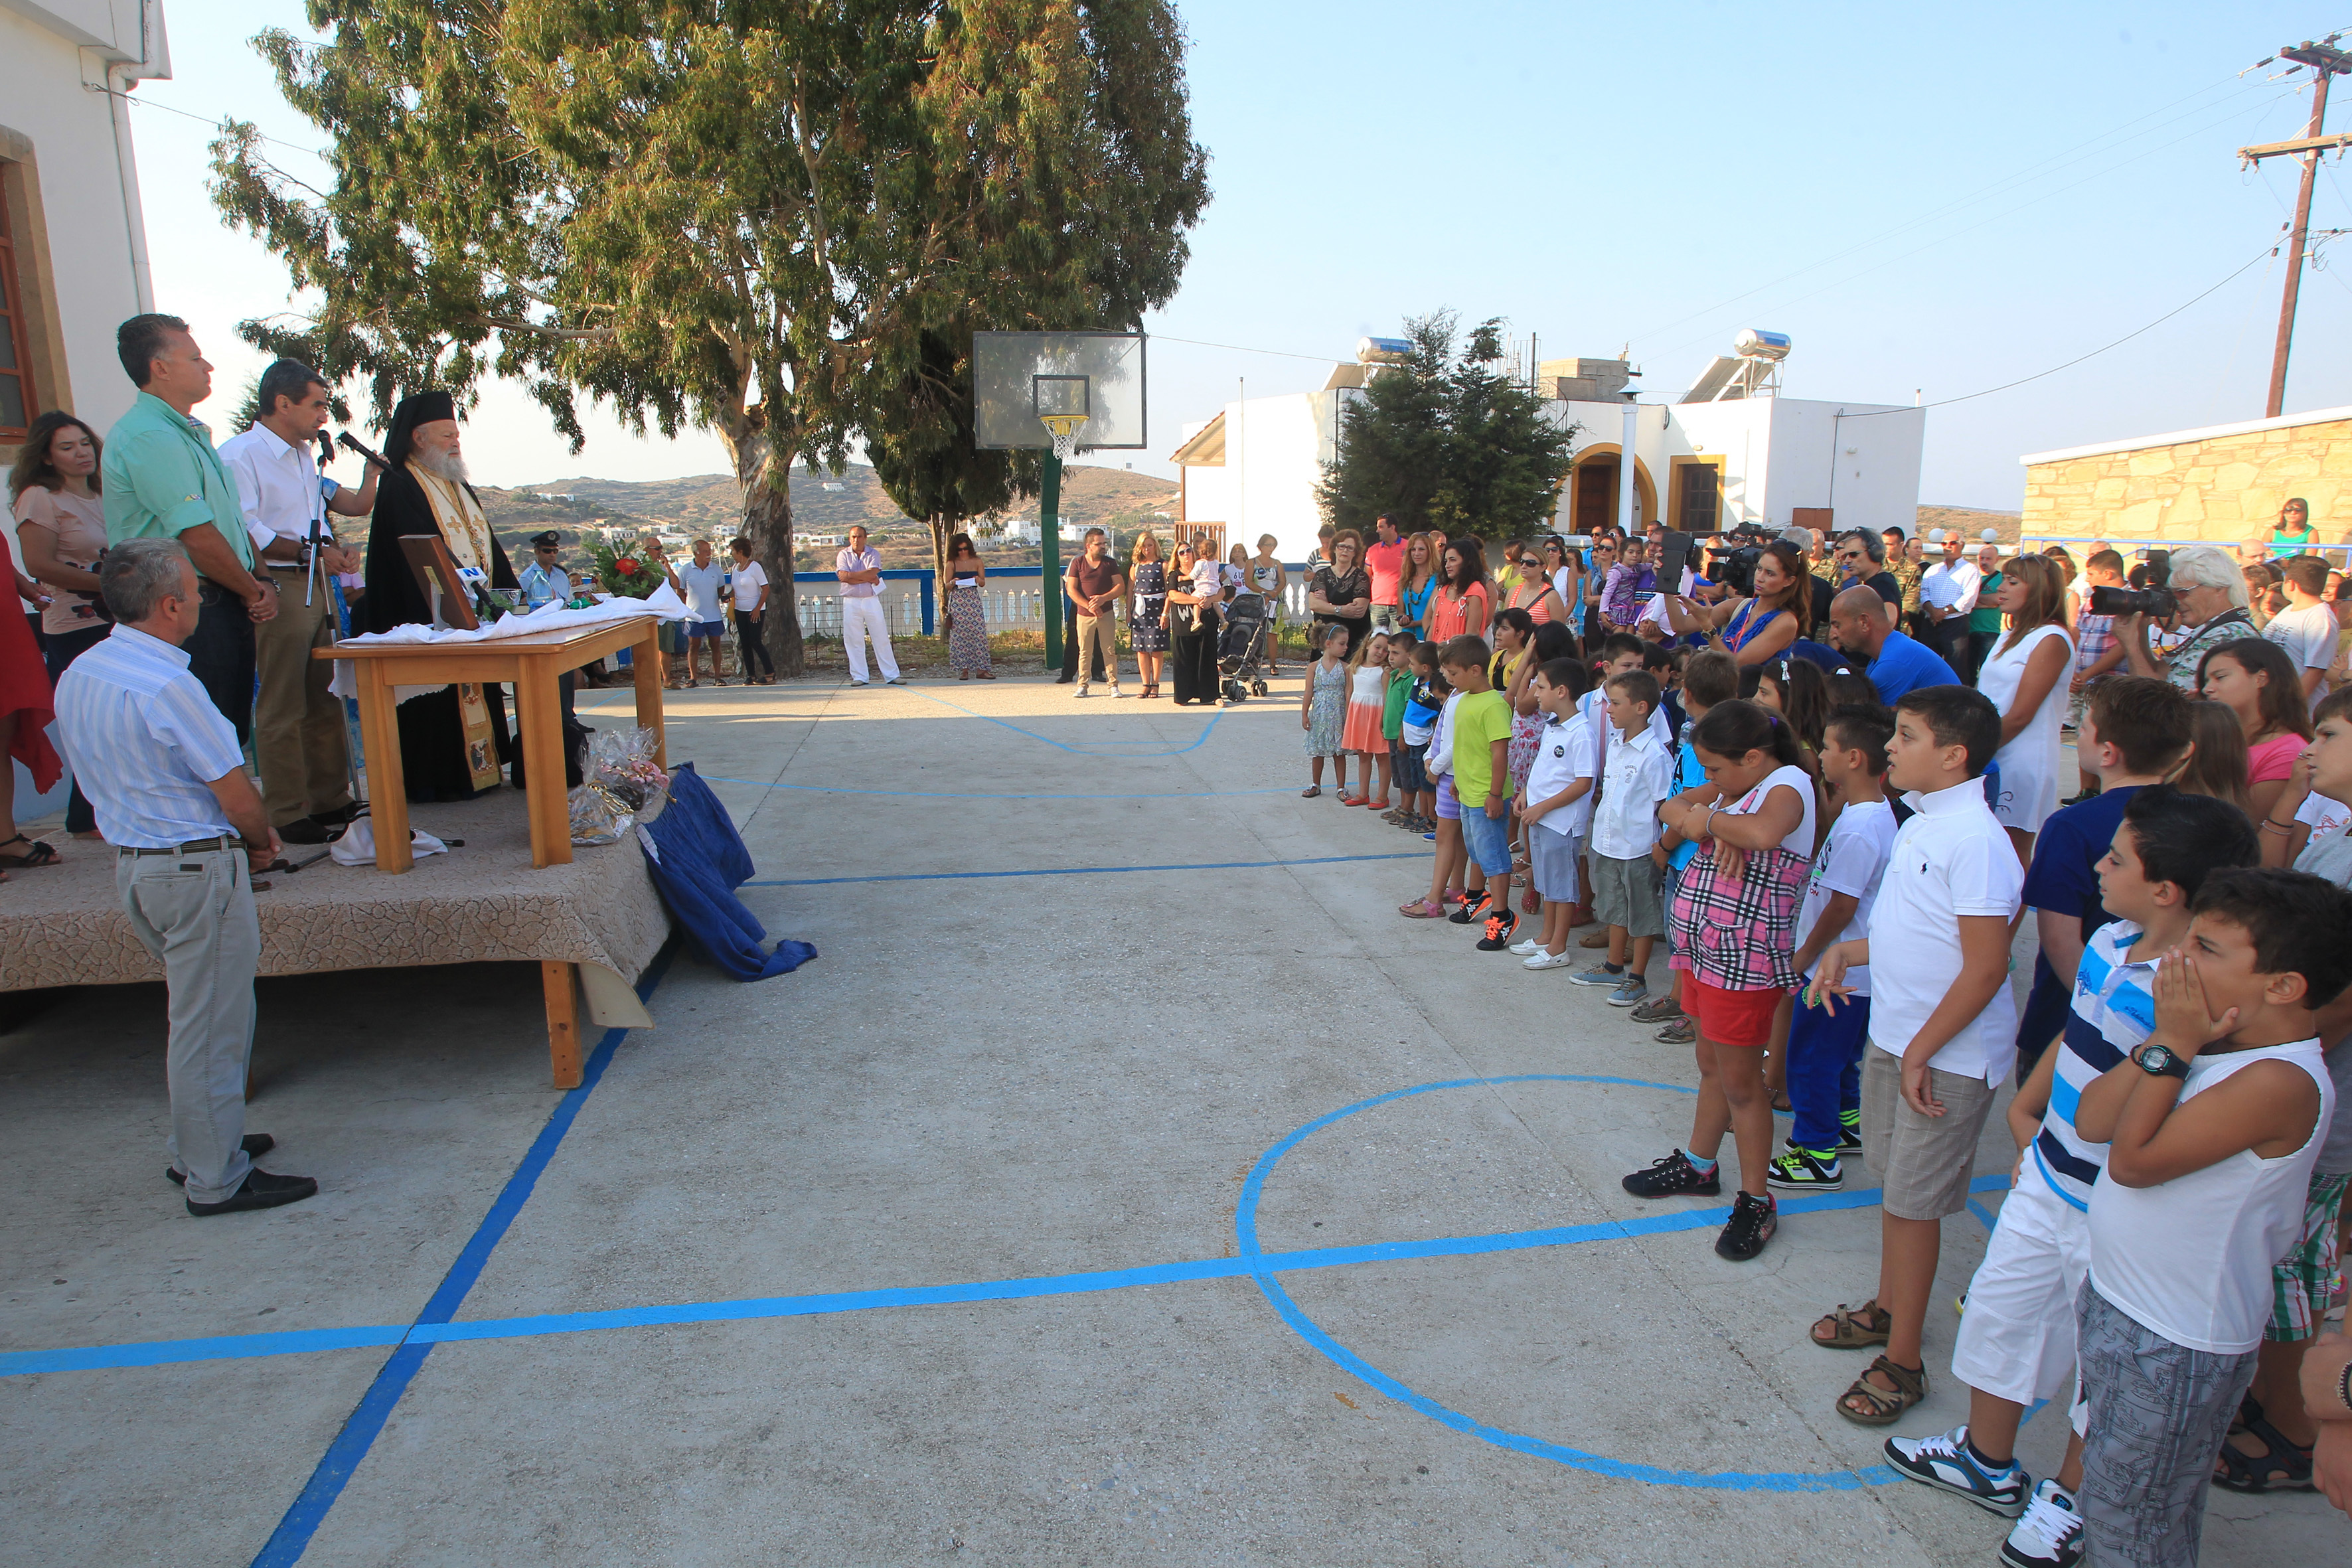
x,y
1064,428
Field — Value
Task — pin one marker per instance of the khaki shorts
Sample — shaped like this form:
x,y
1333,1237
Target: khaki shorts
x,y
1924,1163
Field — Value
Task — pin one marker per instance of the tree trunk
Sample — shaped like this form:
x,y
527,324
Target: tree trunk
x,y
764,475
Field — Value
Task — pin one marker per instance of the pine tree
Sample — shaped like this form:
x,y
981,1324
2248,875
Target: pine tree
x,y
1446,440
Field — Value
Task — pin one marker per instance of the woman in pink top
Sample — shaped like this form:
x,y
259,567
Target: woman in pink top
x,y
2257,681
1460,604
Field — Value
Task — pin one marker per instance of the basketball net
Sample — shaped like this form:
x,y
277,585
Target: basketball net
x,y
1064,428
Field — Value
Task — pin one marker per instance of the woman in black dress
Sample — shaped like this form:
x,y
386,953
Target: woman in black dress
x,y
1192,634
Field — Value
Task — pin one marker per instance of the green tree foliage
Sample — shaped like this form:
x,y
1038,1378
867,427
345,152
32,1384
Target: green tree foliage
x,y
761,217
923,454
1446,440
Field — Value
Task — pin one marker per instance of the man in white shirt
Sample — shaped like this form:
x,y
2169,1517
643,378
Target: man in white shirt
x,y
2306,628
300,741
748,590
175,798
704,583
860,571
1946,594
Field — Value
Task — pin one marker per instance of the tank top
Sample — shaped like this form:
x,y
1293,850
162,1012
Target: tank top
x,y
1531,599
2190,1258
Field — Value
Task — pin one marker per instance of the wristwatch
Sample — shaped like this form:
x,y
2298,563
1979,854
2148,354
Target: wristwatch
x,y
2158,1061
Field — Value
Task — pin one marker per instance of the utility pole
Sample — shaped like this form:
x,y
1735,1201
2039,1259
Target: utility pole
x,y
2326,63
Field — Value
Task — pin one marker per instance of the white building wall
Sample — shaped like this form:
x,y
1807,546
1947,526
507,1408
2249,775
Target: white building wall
x,y
1866,470
83,249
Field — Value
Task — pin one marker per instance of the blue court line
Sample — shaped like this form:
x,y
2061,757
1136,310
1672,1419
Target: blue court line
x,y
949,794
1085,870
441,1330
1340,1355
335,1468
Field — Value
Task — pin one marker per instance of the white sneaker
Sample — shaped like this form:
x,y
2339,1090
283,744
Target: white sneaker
x,y
1543,960
1944,1461
1081,692
1115,691
2050,1535
858,683
1529,947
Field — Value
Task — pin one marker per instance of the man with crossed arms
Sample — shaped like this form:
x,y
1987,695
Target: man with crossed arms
x,y
860,571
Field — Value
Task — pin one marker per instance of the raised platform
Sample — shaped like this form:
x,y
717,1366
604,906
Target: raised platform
x,y
597,921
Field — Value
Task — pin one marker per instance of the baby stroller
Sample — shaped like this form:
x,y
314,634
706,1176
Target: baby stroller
x,y
1241,644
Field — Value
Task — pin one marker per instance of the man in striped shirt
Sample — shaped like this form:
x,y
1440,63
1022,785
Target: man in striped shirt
x,y
166,776
2016,1342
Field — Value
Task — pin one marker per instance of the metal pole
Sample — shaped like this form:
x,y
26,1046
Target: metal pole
x,y
2277,403
1625,469
1049,545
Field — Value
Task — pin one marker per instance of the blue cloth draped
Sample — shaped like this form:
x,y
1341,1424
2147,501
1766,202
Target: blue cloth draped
x,y
698,861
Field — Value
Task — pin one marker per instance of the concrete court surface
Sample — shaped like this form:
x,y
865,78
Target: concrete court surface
x,y
982,1079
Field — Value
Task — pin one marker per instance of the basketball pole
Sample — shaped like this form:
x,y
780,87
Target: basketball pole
x,y
1049,544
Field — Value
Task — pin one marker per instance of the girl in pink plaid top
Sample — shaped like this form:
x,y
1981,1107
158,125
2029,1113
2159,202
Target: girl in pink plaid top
x,y
1734,918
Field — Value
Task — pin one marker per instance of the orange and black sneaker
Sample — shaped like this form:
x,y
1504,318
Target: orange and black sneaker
x,y
1499,932
1474,906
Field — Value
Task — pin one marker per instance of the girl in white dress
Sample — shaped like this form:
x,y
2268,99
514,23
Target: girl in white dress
x,y
2025,678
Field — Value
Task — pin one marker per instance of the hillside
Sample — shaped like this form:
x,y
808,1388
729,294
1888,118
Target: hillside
x,y
1970,520
710,504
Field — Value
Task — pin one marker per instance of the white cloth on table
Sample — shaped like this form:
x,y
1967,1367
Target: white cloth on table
x,y
663,603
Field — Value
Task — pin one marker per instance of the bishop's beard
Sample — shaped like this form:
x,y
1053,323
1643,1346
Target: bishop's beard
x,y
450,465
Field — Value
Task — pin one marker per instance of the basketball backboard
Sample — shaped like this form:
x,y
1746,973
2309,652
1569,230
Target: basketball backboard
x,y
1029,388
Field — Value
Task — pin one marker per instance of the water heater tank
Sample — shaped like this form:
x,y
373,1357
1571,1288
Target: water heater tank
x,y
1754,343
1383,350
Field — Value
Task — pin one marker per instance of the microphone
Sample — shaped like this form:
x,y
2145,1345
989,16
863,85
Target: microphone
x,y
345,439
326,449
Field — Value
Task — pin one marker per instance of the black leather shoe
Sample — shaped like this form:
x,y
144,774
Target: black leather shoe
x,y
340,816
1061,681
255,1144
301,830
261,1191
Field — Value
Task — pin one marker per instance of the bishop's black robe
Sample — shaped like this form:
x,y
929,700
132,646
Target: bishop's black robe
x,y
432,735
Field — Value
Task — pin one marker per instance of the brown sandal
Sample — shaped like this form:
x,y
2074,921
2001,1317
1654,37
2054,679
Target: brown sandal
x,y
1854,1328
1887,1406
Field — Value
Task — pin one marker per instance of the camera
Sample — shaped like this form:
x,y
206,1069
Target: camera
x,y
2156,604
1734,564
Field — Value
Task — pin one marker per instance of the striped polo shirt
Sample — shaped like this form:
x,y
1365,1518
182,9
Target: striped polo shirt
x,y
2113,1011
146,740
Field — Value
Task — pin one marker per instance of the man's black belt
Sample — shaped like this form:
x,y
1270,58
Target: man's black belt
x,y
194,847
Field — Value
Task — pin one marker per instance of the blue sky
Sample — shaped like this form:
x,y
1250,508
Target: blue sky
x,y
1940,198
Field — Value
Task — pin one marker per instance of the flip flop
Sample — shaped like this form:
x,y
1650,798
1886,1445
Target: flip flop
x,y
1421,909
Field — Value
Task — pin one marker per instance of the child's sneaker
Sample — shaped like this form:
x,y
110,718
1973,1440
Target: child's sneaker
x,y
1805,1171
1753,1221
1943,1461
1474,907
1849,1132
1675,1177
1529,947
1657,1010
1609,974
1681,1032
1634,990
1540,959
1499,926
2051,1533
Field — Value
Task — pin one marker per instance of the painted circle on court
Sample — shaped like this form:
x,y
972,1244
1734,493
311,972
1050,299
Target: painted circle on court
x,y
1347,1361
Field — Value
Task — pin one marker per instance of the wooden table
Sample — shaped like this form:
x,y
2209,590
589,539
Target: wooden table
x,y
531,665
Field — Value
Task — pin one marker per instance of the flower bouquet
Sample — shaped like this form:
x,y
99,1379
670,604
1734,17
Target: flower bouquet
x,y
623,576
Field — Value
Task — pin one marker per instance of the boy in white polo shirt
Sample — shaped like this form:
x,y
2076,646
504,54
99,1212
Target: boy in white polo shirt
x,y
2016,1343
1556,804
1942,1026
2212,1128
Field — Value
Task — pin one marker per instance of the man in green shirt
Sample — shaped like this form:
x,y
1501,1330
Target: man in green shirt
x,y
1984,621
162,479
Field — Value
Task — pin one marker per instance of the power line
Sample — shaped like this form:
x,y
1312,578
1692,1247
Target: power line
x,y
2053,369
184,114
1243,349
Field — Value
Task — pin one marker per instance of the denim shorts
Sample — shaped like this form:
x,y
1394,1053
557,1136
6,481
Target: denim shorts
x,y
1405,767
1487,839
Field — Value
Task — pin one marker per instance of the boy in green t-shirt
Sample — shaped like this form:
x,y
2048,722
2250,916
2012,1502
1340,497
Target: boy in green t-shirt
x,y
1482,781
1399,691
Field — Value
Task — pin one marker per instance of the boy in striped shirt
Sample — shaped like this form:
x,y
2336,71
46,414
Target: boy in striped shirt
x,y
2016,1342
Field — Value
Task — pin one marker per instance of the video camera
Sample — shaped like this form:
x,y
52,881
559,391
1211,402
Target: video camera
x,y
1731,559
2156,604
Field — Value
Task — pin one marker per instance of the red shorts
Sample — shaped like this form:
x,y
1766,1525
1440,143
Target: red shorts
x,y
1731,1017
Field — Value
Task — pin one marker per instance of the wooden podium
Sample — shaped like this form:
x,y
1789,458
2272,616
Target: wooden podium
x,y
530,664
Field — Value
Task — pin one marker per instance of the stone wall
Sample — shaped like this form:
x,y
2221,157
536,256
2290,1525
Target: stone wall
x,y
2224,489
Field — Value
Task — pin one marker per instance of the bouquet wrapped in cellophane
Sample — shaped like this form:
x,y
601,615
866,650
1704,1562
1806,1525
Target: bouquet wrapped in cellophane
x,y
621,786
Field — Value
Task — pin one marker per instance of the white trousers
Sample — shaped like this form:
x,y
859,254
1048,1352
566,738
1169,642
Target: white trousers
x,y
2017,1337
862,618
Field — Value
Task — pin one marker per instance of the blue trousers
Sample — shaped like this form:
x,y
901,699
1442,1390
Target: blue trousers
x,y
1825,1068
2044,1017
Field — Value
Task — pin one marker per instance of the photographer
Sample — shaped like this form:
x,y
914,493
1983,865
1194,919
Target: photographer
x,y
2209,593
1777,610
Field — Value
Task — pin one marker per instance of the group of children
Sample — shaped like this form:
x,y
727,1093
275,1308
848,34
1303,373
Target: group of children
x,y
2165,1217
